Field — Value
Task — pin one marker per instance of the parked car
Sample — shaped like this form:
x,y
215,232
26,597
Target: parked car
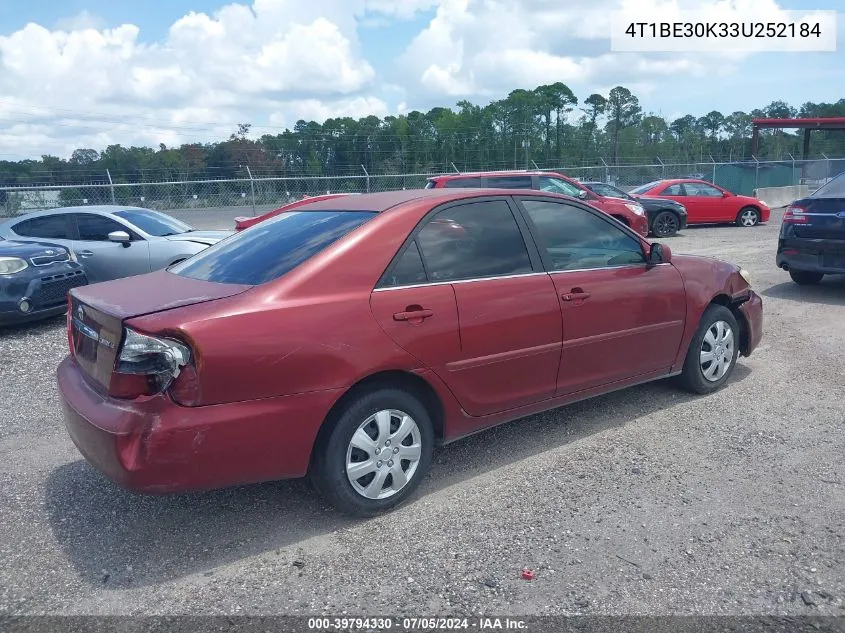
x,y
34,280
114,241
344,339
243,222
665,217
631,214
811,243
707,203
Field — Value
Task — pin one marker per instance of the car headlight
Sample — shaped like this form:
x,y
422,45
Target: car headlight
x,y
11,265
636,208
72,256
745,275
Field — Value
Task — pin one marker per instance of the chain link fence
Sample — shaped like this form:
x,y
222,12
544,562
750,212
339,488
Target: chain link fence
x,y
257,195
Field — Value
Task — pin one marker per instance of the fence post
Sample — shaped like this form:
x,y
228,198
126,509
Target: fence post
x,y
367,174
793,168
756,172
457,171
251,189
111,185
606,170
714,167
662,168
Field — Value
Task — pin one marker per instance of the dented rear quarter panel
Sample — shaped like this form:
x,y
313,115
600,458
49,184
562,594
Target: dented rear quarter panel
x,y
310,330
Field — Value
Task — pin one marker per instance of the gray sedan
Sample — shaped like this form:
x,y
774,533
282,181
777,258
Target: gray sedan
x,y
114,241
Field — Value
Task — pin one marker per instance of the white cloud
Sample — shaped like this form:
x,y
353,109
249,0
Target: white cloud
x,y
489,47
82,84
316,110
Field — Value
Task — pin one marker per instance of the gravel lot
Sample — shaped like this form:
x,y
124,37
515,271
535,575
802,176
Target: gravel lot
x,y
647,501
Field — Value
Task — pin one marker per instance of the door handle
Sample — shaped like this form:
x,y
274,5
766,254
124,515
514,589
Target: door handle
x,y
576,294
413,315
85,253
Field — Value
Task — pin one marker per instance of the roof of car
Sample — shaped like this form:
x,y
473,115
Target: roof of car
x,y
97,209
476,174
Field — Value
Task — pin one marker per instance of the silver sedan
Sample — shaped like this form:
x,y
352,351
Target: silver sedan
x,y
114,241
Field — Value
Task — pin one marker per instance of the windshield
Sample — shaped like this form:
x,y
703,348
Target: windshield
x,y
270,249
606,190
646,187
153,222
832,188
556,185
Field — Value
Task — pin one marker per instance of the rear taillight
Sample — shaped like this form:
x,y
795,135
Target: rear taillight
x,y
795,214
147,365
70,324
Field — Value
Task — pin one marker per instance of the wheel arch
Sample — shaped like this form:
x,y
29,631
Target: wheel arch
x,y
401,379
732,304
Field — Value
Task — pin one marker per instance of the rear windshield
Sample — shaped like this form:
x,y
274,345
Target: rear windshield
x,y
270,249
832,188
646,187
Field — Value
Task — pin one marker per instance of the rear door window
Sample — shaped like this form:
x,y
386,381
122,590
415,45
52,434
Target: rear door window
x,y
473,241
464,183
50,226
271,249
509,182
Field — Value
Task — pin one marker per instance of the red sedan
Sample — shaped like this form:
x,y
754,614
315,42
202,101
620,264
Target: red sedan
x,y
244,222
345,339
707,203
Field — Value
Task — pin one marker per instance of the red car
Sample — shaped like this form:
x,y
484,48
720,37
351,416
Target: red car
x,y
707,203
629,212
345,339
243,222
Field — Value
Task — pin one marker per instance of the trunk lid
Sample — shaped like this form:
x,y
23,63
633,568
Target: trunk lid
x,y
826,219
96,313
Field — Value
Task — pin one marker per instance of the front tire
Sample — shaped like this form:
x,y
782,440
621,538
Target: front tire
x,y
712,353
805,277
665,224
748,217
377,453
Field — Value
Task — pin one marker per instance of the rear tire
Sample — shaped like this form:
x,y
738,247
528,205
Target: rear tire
x,y
748,217
386,438
805,277
665,224
712,353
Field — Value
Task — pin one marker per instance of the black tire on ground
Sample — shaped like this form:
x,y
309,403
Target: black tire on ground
x,y
748,217
665,224
328,470
805,277
693,378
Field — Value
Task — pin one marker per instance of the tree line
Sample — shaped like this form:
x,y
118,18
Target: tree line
x,y
547,126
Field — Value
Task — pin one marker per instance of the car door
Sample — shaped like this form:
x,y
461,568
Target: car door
x,y
103,259
622,318
707,203
484,316
55,227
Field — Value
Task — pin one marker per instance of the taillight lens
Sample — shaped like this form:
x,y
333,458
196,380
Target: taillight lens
x,y
147,365
795,214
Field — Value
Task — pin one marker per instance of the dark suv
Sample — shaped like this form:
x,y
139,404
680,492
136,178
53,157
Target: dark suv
x,y
665,217
812,236
629,213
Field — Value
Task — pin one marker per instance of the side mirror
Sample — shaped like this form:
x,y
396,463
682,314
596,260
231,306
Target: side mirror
x,y
659,254
120,236
583,195
726,194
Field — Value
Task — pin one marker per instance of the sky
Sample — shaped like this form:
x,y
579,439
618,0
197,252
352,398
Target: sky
x,y
90,73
